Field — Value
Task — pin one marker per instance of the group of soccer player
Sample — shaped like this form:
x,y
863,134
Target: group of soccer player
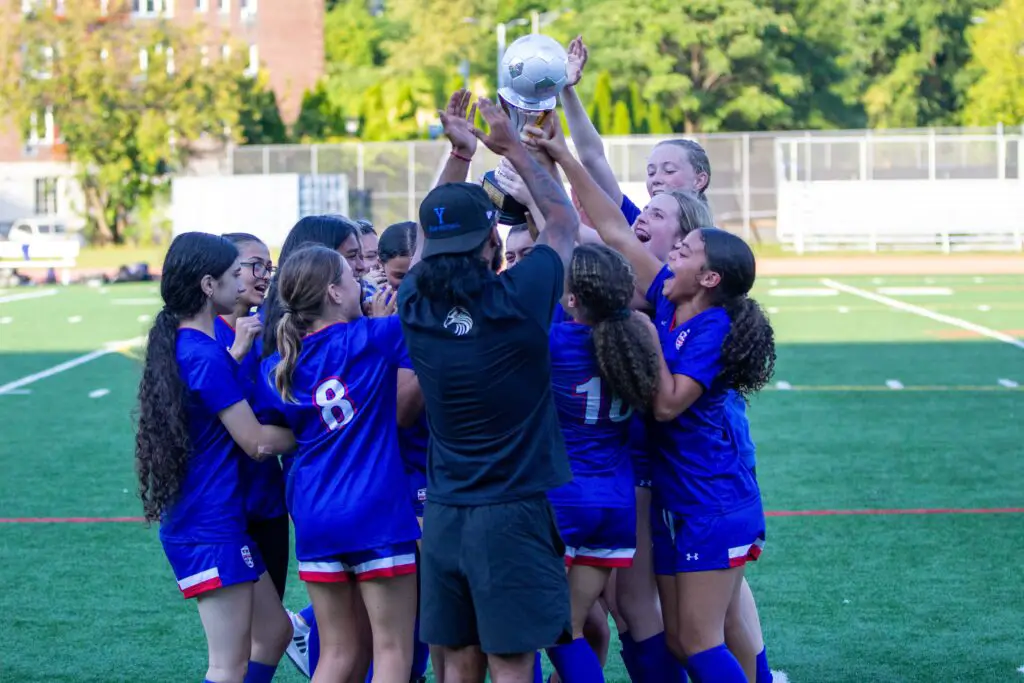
x,y
271,394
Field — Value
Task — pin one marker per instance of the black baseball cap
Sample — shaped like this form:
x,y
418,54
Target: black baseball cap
x,y
456,219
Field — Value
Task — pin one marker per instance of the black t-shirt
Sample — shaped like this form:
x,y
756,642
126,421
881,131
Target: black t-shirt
x,y
485,372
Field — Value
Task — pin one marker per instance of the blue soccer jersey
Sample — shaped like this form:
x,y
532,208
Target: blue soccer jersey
x,y
595,424
412,443
209,506
629,210
736,408
342,482
698,467
262,481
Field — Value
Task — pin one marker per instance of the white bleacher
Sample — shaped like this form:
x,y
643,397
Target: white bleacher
x,y
59,255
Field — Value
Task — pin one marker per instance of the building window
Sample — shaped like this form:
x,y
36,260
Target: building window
x,y
152,8
224,6
254,61
41,128
46,196
202,5
248,8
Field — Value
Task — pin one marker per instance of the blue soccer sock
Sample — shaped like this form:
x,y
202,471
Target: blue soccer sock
x,y
652,658
627,650
307,615
716,665
259,673
764,673
313,647
576,662
538,668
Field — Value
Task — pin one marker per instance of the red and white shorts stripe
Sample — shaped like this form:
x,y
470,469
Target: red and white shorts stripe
x,y
600,557
341,572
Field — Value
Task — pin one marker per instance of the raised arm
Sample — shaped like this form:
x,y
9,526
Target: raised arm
x,y
561,224
457,120
605,215
584,135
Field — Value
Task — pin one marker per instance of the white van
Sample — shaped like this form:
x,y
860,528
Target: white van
x,y
39,229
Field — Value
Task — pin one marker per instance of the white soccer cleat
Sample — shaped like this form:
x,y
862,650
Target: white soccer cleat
x,y
298,649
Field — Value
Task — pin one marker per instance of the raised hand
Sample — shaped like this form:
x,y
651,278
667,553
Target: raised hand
x,y
577,60
457,120
384,303
549,139
502,137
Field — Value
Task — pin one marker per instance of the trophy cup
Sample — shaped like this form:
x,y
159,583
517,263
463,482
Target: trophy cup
x,y
530,76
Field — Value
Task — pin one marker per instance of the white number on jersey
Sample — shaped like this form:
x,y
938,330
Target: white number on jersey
x,y
592,389
335,409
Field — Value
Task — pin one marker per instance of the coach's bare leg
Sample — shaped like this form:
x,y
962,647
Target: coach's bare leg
x,y
391,606
340,637
271,627
511,668
226,614
743,634
636,590
464,664
596,631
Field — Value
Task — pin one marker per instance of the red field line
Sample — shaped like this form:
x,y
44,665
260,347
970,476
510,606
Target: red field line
x,y
770,513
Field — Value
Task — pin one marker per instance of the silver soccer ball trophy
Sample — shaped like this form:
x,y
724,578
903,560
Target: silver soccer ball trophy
x,y
530,76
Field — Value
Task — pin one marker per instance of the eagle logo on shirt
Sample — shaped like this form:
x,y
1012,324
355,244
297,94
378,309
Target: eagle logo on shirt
x,y
459,319
247,557
681,339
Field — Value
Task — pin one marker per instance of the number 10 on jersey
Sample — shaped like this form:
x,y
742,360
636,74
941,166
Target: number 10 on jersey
x,y
592,390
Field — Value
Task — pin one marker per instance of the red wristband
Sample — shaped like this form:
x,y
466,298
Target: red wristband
x,y
460,157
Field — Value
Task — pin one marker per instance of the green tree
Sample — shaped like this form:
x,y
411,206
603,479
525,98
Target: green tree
x,y
997,47
259,116
713,64
125,121
621,124
657,123
637,109
601,104
319,119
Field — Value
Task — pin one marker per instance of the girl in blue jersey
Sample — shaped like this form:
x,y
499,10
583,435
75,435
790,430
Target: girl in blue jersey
x,y
661,225
335,381
195,426
263,482
603,365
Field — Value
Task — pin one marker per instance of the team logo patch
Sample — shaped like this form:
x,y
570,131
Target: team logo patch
x,y
247,557
421,495
681,339
460,320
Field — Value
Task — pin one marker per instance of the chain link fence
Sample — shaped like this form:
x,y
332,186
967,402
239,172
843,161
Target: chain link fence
x,y
387,181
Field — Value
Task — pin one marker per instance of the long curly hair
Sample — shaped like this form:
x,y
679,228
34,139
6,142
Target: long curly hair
x,y
327,231
162,445
453,279
602,282
748,353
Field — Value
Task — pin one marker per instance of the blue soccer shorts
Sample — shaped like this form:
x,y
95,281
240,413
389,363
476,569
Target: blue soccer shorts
x,y
698,543
201,568
597,536
387,561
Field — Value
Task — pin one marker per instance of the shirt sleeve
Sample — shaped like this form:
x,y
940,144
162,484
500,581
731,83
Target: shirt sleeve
x,y
387,336
630,210
536,284
266,405
654,295
696,350
212,377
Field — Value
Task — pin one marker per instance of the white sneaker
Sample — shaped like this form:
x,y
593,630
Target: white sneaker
x,y
298,649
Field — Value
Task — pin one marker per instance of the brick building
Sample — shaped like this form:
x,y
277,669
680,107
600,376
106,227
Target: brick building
x,y
284,37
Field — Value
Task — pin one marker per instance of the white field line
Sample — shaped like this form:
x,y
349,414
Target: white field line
x,y
17,392
925,313
1008,383
99,393
894,384
108,348
27,295
783,385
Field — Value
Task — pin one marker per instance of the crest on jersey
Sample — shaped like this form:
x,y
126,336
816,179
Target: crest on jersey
x,y
247,557
681,339
459,320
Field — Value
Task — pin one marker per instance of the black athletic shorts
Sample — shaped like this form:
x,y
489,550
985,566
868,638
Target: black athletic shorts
x,y
271,537
494,576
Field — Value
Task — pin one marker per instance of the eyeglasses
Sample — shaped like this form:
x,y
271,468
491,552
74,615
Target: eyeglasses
x,y
260,269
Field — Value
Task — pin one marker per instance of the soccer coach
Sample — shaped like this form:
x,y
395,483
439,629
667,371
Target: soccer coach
x,y
492,573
